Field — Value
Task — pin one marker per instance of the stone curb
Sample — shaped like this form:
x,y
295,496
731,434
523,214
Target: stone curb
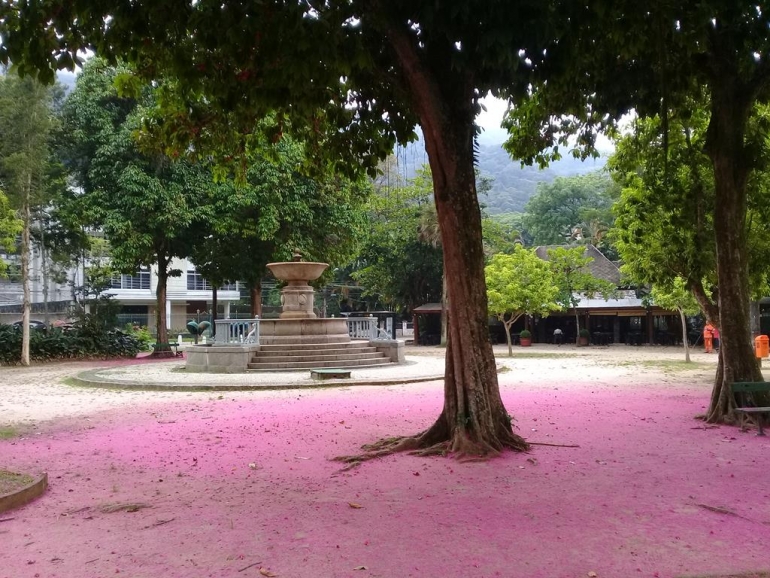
x,y
25,495
91,379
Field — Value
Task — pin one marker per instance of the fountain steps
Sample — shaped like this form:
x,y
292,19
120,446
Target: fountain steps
x,y
328,352
340,357
303,348
337,364
287,357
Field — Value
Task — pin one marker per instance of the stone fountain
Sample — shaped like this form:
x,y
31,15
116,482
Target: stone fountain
x,y
298,339
297,322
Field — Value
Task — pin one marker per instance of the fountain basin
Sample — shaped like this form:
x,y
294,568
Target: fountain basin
x,y
297,272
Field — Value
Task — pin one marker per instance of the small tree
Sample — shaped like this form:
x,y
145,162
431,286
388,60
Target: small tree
x,y
519,284
574,279
26,121
676,297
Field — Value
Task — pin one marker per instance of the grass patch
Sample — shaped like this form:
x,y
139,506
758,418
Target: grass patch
x,y
668,365
11,481
538,355
8,432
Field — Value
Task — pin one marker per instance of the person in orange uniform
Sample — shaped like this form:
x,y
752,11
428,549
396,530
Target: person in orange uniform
x,y
715,334
708,338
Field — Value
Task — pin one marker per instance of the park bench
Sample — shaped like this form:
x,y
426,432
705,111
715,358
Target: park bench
x,y
324,374
170,347
749,387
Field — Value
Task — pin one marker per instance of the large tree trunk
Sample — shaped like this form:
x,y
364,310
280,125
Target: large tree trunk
x,y
44,273
684,337
214,305
160,304
725,146
474,421
25,249
255,290
444,310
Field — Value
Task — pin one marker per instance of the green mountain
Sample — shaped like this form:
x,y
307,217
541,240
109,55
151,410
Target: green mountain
x,y
513,184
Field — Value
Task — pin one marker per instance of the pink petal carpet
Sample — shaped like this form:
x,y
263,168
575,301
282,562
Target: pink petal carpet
x,y
245,487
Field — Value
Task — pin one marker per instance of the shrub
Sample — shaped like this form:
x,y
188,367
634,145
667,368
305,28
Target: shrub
x,y
525,334
78,342
584,333
142,334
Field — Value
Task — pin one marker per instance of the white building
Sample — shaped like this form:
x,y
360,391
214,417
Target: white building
x,y
187,296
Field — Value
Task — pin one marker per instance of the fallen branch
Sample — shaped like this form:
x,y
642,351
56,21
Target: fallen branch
x,y
726,512
159,523
129,507
6,519
250,566
553,445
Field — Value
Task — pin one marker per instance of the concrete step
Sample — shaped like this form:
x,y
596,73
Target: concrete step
x,y
374,354
263,353
342,364
312,346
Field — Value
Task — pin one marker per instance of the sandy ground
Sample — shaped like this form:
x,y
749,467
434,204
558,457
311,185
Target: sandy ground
x,y
38,394
242,484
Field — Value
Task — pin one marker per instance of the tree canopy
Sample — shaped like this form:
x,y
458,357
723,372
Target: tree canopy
x,y
569,209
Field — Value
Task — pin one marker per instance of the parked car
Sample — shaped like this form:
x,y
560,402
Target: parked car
x,y
33,324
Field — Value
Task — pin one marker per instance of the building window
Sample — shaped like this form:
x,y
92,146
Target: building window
x,y
141,280
196,282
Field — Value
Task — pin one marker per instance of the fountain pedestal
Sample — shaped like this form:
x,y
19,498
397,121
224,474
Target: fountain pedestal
x,y
297,302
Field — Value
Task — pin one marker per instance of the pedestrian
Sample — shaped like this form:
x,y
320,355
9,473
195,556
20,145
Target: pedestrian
x,y
715,333
558,336
708,338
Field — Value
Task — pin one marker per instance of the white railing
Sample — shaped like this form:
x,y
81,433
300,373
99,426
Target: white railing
x,y
362,327
365,328
231,331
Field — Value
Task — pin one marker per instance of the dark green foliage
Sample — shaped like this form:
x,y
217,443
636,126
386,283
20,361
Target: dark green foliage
x,y
571,209
76,343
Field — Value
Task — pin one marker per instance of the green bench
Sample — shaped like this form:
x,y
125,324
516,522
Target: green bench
x,y
324,374
749,387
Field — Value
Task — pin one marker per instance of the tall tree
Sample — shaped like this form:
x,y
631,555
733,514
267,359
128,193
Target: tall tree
x,y
275,211
664,230
25,113
366,70
147,204
652,58
520,284
570,208
400,263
